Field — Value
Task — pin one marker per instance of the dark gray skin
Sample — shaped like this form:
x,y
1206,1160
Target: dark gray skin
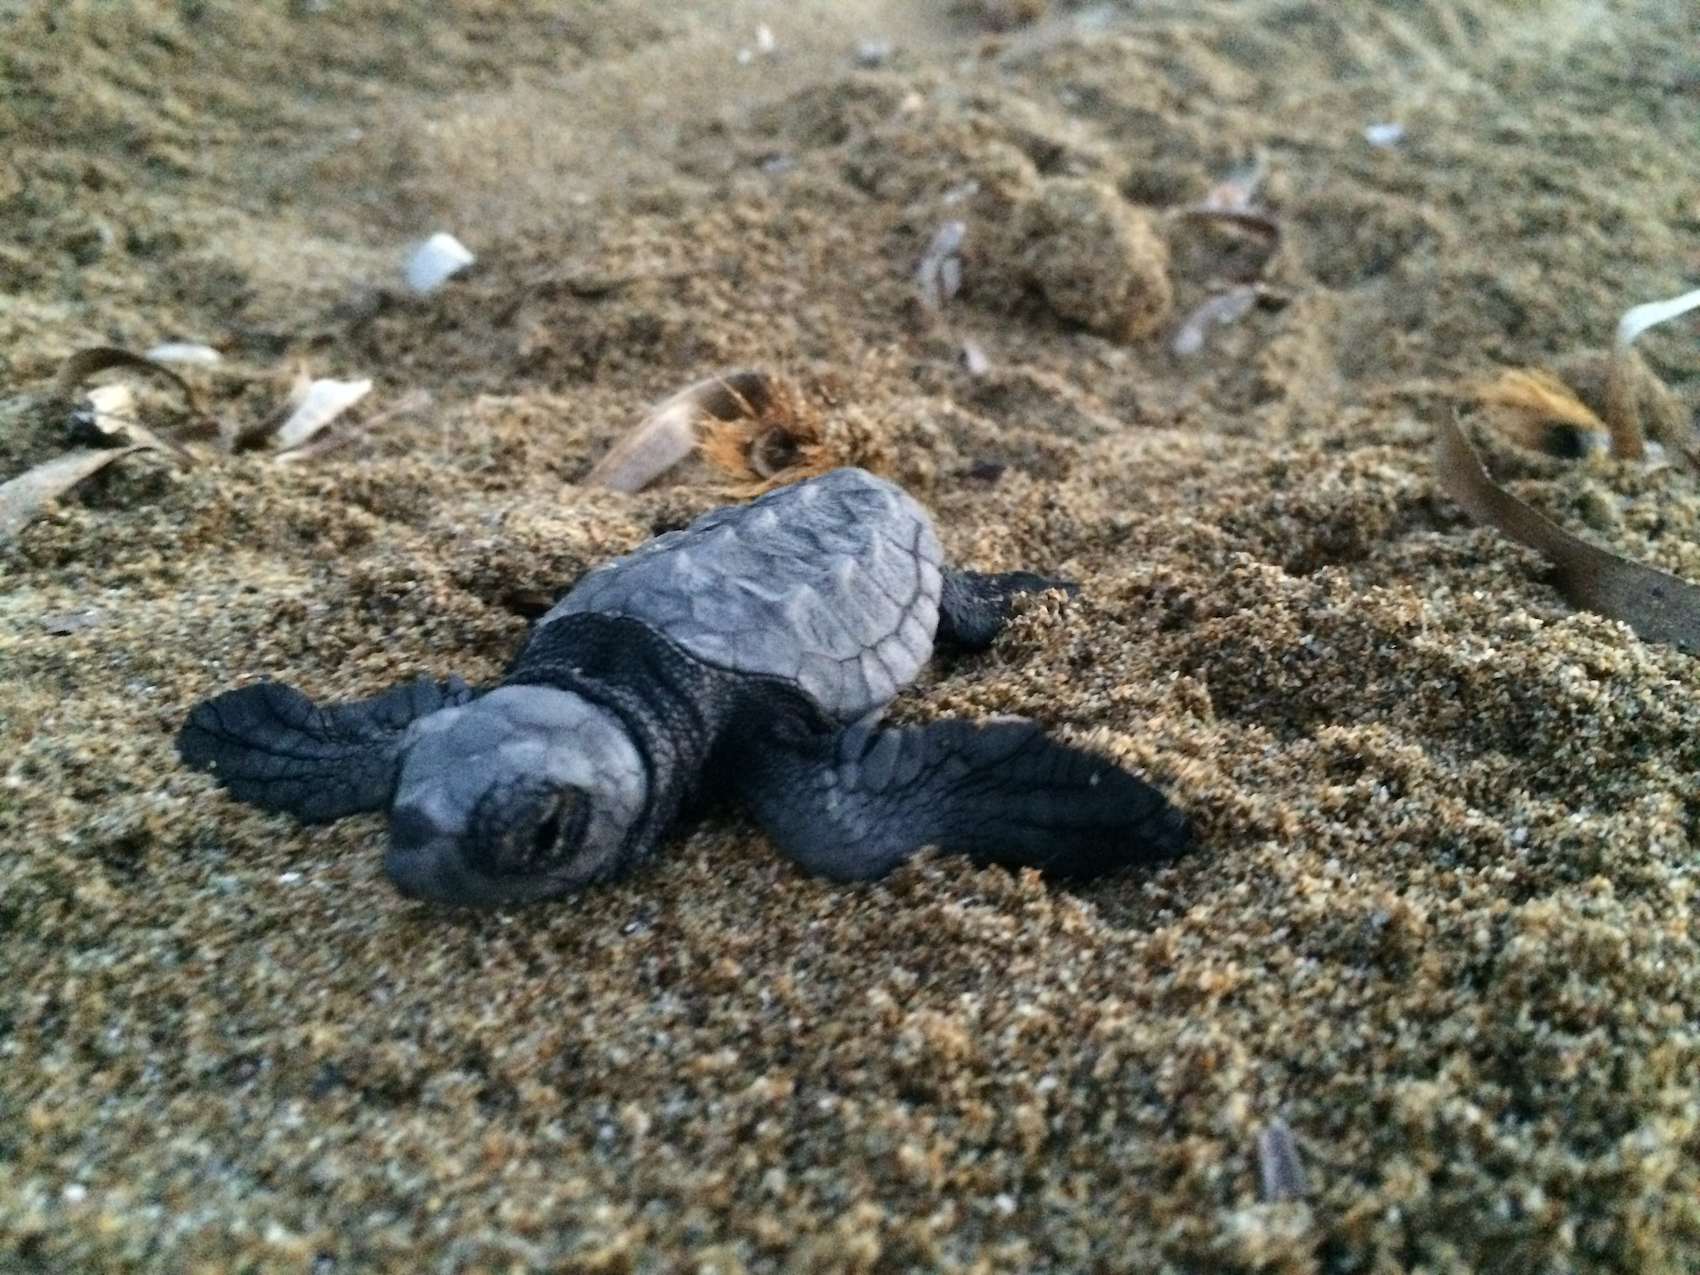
x,y
750,653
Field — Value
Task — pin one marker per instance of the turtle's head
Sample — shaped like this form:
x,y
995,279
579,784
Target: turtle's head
x,y
521,794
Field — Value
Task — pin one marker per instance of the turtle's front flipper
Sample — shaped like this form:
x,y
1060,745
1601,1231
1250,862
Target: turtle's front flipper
x,y
974,607
276,749
852,805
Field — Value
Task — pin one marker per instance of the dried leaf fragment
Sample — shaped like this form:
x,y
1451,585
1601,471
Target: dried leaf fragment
x,y
109,410
1660,607
1258,220
1281,1173
86,363
669,433
22,498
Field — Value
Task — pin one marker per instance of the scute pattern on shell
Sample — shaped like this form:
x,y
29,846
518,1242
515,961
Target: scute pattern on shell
x,y
832,584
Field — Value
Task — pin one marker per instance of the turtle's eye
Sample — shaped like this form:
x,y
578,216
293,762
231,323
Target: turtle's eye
x,y
542,833
558,831
547,834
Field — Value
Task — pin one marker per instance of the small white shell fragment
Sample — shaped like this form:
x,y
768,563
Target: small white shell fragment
x,y
873,52
433,262
114,410
323,402
185,352
1638,319
1384,134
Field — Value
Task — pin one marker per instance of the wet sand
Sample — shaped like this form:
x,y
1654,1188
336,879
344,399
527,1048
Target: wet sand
x,y
1438,923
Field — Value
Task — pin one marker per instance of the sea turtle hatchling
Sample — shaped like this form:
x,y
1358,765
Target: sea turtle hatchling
x,y
750,652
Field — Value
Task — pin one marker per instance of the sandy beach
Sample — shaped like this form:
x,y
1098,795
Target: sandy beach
x,y
1425,995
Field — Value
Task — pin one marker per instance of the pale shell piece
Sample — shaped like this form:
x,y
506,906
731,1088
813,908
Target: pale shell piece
x,y
185,352
323,402
1384,135
433,262
1638,319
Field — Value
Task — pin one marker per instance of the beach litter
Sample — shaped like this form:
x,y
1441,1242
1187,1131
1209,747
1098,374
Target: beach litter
x,y
939,273
753,428
1543,410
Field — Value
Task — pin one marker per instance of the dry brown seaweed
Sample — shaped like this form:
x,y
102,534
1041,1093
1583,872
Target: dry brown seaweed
x,y
1660,607
1623,406
100,358
108,414
1530,402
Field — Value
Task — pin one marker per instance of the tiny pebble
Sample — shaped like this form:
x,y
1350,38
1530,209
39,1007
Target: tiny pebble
x,y
61,623
873,53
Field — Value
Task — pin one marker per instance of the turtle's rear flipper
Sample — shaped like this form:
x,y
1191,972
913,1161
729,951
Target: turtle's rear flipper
x,y
853,805
276,749
974,607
